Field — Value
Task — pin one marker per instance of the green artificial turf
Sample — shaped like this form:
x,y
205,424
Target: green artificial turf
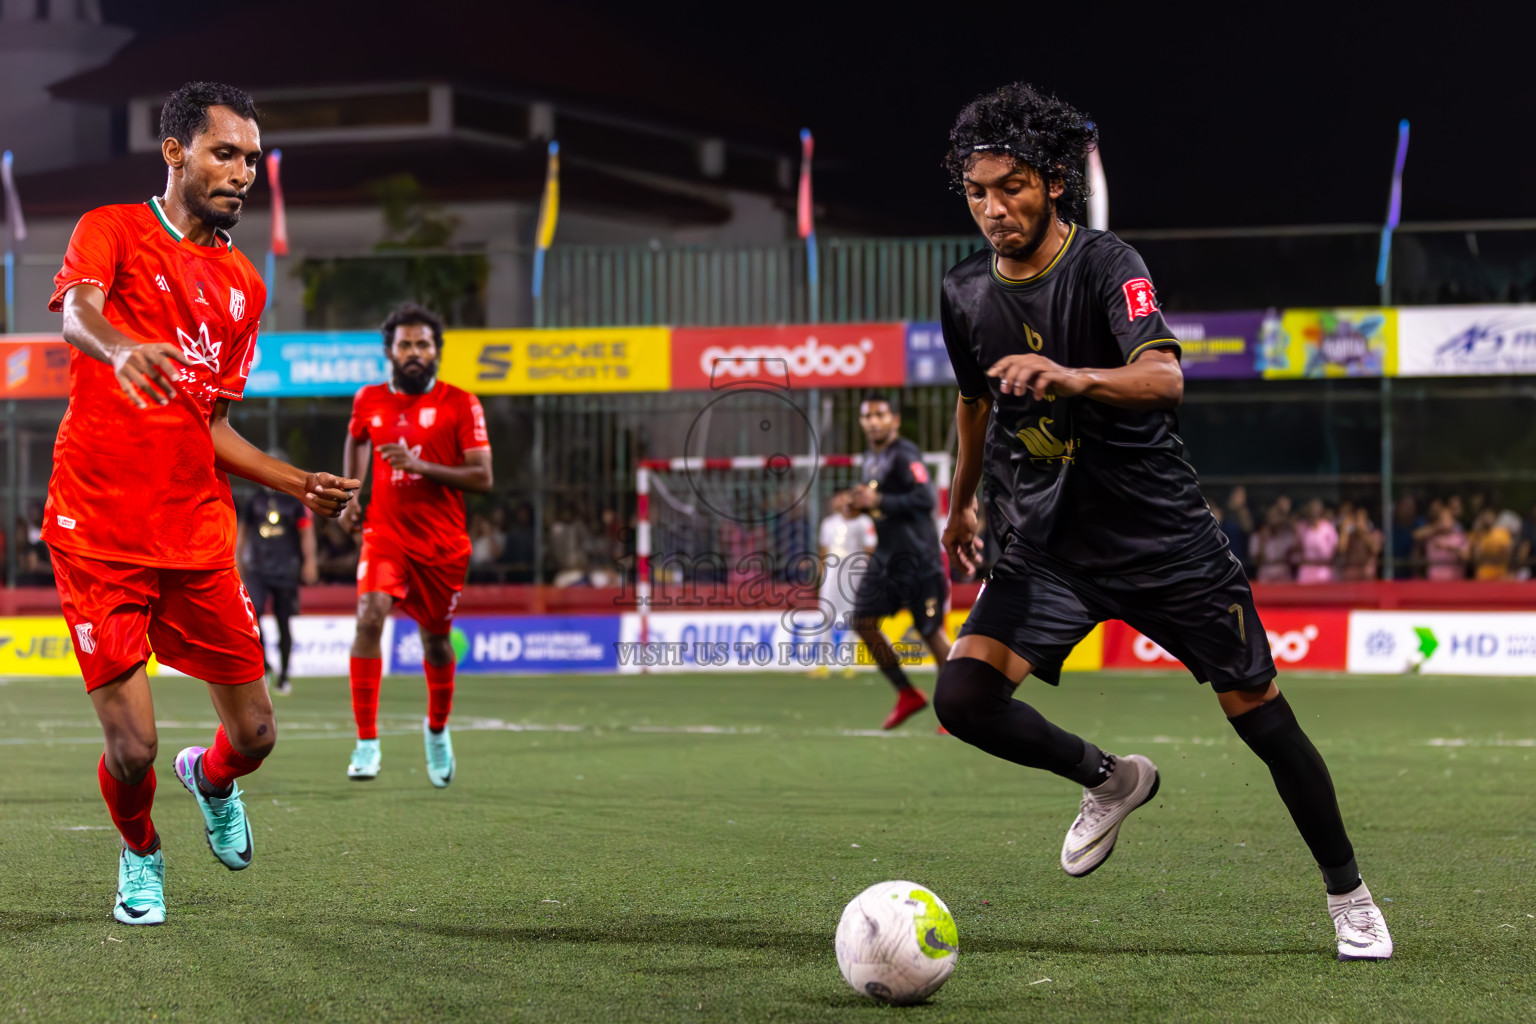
x,y
679,848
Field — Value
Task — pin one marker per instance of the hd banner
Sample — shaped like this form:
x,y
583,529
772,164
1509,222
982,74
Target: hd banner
x,y
1464,341
1443,643
580,360
1317,343
521,643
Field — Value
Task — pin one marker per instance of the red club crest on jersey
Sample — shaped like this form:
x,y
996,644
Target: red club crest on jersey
x,y
919,472
1140,300
428,416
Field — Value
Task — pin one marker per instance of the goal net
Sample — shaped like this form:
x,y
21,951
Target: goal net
x,y
742,532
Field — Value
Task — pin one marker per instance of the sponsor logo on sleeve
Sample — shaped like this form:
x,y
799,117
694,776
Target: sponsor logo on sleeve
x,y
1140,299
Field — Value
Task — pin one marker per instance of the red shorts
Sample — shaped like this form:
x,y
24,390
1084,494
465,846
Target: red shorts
x,y
426,591
197,621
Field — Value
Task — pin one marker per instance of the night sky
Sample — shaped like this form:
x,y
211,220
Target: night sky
x,y
1238,115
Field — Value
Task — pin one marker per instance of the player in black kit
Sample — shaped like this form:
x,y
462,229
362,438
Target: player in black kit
x,y
1068,379
908,568
275,542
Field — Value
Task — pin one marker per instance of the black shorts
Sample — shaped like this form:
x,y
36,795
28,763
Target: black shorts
x,y
1200,611
927,597
285,599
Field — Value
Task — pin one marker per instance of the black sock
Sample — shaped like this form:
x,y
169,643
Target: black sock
x,y
897,677
1302,779
208,788
975,702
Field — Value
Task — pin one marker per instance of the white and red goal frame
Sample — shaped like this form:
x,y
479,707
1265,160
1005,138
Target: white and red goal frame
x,y
940,466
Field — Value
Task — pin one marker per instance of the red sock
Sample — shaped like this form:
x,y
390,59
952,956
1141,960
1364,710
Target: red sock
x,y
223,764
365,696
439,694
129,807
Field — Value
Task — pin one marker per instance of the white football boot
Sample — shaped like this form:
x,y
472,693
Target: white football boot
x,y
1362,930
1091,839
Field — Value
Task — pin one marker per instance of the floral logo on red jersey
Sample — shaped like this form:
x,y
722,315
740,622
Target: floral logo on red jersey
x,y
1140,299
200,349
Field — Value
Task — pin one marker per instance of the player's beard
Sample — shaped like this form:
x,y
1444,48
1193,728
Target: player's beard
x,y
1030,245
201,206
416,382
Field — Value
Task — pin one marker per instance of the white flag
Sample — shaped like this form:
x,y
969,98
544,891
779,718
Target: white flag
x,y
12,200
1098,193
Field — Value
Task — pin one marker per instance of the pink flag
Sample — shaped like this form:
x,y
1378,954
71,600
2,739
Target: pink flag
x,y
279,245
807,224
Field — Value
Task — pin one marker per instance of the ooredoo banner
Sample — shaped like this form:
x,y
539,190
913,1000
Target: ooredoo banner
x,y
1317,639
814,355
1455,341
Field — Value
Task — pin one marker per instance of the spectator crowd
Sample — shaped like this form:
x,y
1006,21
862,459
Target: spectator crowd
x,y
1432,538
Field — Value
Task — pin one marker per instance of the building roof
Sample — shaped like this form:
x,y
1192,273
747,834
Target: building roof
x,y
344,174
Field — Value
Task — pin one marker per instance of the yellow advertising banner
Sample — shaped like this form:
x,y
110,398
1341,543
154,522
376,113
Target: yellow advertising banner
x,y
1087,656
36,647
1332,343
40,646
565,361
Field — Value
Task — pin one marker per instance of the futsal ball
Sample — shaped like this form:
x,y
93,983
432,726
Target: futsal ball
x,y
897,943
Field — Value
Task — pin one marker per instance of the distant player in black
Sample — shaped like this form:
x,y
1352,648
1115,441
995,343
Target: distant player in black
x,y
276,542
908,567
1068,379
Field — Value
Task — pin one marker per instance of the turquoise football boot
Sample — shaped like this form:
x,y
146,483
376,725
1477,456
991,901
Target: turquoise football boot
x,y
364,765
229,833
440,762
140,888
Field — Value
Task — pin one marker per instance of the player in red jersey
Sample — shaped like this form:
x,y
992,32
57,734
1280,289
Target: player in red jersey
x,y
430,445
161,310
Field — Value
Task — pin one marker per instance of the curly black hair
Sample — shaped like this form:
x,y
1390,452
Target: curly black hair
x,y
410,314
1038,131
185,113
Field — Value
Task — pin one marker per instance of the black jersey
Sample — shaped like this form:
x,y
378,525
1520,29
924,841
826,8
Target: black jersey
x,y
906,539
272,523
1090,486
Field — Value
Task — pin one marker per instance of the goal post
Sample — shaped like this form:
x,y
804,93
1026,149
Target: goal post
x,y
700,521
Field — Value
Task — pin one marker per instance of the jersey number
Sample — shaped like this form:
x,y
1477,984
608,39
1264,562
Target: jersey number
x,y
1242,630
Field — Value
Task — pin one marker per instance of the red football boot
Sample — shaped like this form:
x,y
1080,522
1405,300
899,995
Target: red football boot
x,y
909,701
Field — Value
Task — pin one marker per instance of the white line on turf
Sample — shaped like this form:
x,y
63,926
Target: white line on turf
x,y
1464,742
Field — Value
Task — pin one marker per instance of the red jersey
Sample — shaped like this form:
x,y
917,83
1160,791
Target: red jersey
x,y
139,485
410,513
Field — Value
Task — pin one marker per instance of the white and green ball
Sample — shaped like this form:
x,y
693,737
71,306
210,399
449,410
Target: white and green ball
x,y
897,943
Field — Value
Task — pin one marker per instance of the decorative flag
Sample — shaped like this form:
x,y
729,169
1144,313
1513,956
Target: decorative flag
x,y
1098,192
1394,204
549,212
279,246
16,230
807,221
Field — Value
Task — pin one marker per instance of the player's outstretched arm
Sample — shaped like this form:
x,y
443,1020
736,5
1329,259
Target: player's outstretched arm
x,y
320,492
354,463
1153,381
474,474
960,537
146,373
